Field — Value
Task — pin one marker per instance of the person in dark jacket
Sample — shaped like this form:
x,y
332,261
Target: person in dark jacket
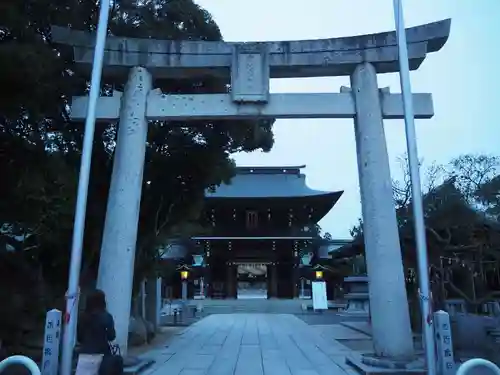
x,y
96,327
95,330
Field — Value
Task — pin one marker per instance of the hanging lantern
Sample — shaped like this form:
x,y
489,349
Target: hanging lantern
x,y
319,275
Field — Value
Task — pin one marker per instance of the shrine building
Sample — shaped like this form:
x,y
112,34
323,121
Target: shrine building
x,y
263,241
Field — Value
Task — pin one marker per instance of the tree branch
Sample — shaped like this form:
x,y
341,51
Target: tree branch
x,y
167,220
474,302
437,237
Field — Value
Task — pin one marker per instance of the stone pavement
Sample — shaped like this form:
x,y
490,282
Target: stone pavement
x,y
251,344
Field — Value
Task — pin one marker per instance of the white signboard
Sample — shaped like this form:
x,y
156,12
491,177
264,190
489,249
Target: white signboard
x,y
320,301
50,358
442,333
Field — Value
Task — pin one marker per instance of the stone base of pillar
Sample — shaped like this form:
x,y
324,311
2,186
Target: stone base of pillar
x,y
370,364
135,365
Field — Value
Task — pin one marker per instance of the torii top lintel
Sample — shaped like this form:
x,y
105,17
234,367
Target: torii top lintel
x,y
287,59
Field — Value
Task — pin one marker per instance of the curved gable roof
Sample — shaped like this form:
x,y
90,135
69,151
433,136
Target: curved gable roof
x,y
267,182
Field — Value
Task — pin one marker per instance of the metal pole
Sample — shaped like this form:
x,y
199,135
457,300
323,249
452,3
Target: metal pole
x,y
418,212
81,201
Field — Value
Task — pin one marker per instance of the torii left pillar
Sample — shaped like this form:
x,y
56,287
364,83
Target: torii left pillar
x,y
116,265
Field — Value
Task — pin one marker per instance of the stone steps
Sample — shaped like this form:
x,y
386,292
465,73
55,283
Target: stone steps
x,y
494,334
262,306
235,306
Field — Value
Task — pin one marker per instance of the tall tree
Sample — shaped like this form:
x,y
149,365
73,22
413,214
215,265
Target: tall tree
x,y
488,194
459,203
478,177
40,148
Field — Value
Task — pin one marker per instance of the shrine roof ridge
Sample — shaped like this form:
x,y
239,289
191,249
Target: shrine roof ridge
x,y
269,183
287,59
270,169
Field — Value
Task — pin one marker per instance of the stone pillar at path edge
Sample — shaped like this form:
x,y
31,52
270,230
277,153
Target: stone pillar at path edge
x,y
116,266
153,301
392,336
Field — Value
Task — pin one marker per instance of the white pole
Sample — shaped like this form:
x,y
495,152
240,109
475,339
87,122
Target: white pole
x,y
83,185
418,212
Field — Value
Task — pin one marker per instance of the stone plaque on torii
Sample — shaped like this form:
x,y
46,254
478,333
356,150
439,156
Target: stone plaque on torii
x,y
250,66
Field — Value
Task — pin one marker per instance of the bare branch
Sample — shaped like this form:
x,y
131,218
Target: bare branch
x,y
473,171
167,219
158,211
437,237
471,301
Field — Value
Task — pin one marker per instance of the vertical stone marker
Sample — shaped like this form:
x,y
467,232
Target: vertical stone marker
x,y
442,333
153,301
50,357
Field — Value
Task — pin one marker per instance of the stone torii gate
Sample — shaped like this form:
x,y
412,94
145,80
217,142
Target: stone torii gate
x,y
250,67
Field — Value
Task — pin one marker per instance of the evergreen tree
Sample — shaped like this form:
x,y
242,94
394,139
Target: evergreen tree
x,y
40,148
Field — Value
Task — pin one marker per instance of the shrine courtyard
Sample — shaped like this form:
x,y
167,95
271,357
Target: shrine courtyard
x,y
252,344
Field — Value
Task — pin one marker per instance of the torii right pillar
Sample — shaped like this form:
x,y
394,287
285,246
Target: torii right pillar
x,y
388,299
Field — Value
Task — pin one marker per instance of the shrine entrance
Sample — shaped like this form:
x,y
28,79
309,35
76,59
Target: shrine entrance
x,y
251,281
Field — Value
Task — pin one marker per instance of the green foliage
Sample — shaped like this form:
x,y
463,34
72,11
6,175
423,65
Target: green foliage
x,y
356,231
471,172
456,199
478,176
488,194
40,149
461,212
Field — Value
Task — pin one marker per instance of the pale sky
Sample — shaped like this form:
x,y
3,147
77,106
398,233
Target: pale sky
x,y
461,76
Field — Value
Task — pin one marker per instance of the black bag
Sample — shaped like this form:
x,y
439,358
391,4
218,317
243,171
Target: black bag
x,y
112,364
115,349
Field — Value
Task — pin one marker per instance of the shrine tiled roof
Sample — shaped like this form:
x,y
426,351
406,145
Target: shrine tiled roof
x,y
268,182
329,248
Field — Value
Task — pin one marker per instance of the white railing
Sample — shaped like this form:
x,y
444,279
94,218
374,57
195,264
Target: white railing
x,y
475,362
20,360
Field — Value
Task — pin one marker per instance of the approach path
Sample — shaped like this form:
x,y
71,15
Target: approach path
x,y
251,344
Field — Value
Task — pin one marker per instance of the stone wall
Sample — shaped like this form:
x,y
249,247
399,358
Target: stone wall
x,y
470,334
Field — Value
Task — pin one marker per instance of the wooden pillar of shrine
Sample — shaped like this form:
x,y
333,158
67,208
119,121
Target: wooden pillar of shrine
x,y
231,280
272,274
295,280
